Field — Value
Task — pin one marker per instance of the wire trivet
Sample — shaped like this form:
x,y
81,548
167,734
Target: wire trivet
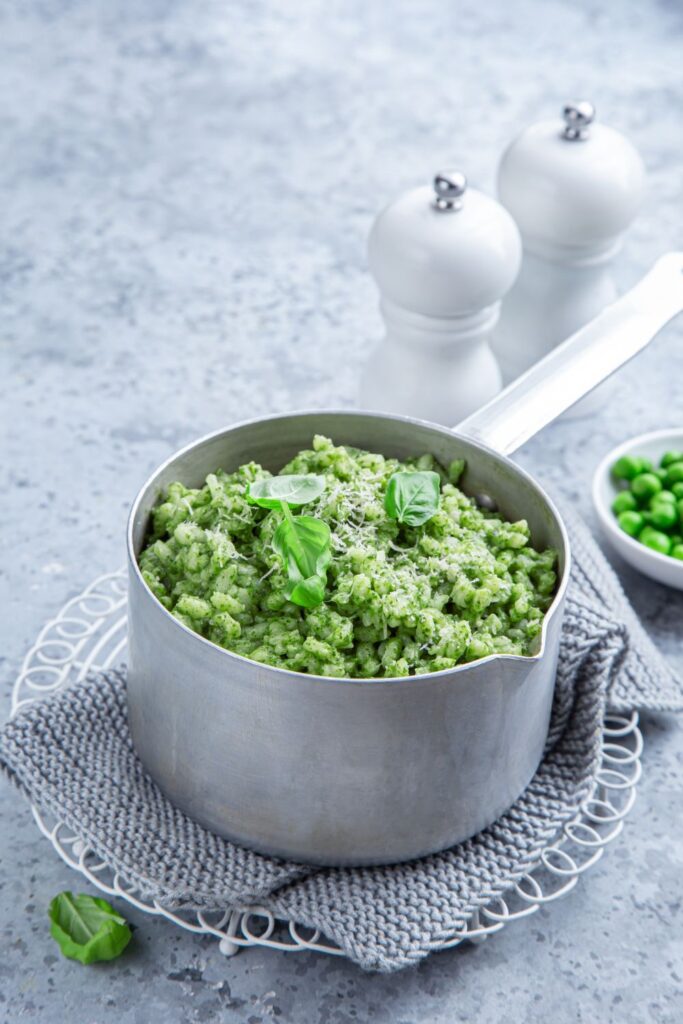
x,y
89,634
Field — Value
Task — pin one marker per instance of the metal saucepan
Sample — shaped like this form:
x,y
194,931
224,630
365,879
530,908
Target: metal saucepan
x,y
338,771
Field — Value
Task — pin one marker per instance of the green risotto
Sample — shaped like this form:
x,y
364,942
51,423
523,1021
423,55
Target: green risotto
x,y
340,581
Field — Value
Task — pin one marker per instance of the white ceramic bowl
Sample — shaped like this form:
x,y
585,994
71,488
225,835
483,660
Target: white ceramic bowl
x,y
662,568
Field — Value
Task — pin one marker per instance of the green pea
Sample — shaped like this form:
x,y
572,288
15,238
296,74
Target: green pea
x,y
679,509
655,539
674,474
664,496
624,502
677,551
630,522
646,485
661,473
677,490
670,457
663,515
627,467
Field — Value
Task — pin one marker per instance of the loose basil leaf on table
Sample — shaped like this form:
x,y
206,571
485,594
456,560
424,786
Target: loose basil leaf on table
x,y
413,498
303,543
87,928
295,490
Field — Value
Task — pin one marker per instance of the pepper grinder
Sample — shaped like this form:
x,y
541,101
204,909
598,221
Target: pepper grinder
x,y
442,257
573,187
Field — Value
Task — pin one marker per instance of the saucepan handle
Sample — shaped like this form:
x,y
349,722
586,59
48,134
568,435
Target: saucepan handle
x,y
581,362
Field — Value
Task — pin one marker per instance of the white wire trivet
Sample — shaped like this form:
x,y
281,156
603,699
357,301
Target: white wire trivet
x,y
89,634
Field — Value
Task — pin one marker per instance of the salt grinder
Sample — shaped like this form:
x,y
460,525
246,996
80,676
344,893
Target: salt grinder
x,y
573,187
442,257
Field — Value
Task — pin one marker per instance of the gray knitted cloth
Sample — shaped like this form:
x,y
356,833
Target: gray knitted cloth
x,y
72,755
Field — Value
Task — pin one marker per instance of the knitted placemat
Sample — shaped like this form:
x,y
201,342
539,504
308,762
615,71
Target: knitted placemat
x,y
73,757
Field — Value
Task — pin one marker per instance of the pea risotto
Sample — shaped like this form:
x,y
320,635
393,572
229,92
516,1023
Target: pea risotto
x,y
391,571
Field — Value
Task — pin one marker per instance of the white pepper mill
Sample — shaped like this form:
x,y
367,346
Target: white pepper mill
x,y
573,187
442,257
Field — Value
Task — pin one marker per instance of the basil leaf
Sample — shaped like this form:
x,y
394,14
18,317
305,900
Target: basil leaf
x,y
295,490
87,928
308,593
412,498
303,543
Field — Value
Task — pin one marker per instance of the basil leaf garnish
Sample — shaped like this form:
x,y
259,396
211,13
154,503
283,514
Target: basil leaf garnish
x,y
412,498
308,593
87,928
303,543
295,490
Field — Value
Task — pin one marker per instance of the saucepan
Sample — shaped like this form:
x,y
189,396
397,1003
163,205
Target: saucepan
x,y
341,771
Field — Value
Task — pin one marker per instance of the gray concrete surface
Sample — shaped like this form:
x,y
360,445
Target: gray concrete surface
x,y
185,191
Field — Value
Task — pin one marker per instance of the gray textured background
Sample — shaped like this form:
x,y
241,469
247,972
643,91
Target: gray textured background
x,y
185,191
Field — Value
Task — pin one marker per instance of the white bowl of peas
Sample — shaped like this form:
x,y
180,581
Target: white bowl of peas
x,y
638,496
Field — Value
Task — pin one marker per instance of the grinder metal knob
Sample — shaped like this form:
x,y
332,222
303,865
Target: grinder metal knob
x,y
450,187
577,119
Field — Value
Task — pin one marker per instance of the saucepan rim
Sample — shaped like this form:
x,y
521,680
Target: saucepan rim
x,y
193,637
